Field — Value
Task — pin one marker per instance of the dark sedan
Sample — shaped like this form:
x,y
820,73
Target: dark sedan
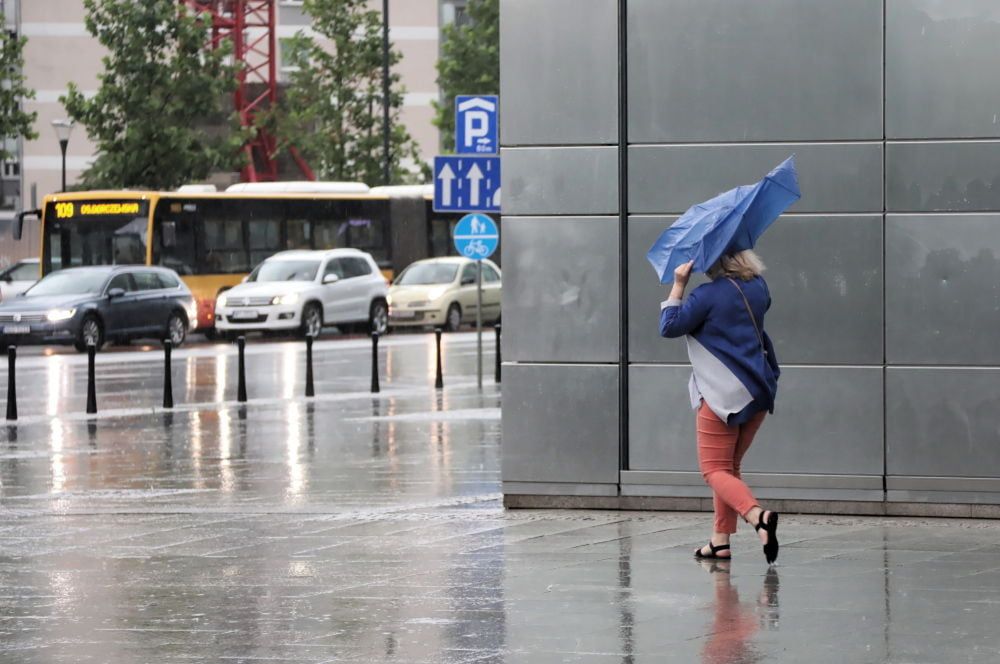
x,y
85,305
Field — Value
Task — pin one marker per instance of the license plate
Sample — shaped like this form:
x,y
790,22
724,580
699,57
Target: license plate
x,y
247,314
16,329
404,314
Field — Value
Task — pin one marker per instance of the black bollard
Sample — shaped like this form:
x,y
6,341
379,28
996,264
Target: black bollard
x,y
91,380
310,391
241,387
375,387
496,328
168,382
11,384
439,377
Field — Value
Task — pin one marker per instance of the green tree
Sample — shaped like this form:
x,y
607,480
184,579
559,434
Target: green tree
x,y
161,115
14,121
332,108
469,63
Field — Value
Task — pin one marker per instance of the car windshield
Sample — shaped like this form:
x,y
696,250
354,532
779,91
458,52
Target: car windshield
x,y
421,274
69,282
285,271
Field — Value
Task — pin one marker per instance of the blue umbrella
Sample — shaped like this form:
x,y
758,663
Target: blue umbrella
x,y
730,222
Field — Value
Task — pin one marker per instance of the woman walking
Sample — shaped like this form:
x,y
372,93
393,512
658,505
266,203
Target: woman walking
x,y
733,383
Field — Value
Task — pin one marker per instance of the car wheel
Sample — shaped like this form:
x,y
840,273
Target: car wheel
x,y
378,317
312,320
453,319
176,330
91,332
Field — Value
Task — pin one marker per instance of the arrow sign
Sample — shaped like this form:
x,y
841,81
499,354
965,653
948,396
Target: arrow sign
x,y
464,183
475,177
446,176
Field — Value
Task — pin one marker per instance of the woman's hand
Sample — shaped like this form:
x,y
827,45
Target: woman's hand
x,y
681,276
683,273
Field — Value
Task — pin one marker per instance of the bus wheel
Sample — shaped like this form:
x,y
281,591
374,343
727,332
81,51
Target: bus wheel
x,y
91,332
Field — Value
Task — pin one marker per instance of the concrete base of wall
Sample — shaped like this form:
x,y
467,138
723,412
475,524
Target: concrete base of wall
x,y
672,504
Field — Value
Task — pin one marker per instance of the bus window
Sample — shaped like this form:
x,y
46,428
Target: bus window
x,y
173,245
329,234
265,240
225,251
299,234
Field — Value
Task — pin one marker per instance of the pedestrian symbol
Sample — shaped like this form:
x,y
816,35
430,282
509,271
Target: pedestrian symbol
x,y
476,236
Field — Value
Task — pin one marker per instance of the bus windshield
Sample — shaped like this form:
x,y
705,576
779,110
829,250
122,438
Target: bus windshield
x,y
281,270
94,233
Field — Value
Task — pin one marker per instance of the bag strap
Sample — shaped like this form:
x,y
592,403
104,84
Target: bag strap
x,y
753,319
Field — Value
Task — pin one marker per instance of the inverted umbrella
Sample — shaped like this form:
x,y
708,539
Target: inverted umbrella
x,y
726,224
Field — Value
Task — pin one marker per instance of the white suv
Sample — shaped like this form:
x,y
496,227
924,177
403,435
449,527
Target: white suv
x,y
303,291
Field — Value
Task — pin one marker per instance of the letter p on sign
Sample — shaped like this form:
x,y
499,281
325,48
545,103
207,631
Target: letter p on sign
x,y
476,124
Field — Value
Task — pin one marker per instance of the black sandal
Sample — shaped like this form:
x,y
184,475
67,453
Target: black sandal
x,y
714,555
771,528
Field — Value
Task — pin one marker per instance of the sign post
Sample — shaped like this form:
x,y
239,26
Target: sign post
x,y
470,182
476,237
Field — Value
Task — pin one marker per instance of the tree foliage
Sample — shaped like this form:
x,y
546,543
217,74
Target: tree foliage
x,y
332,107
14,121
469,63
161,115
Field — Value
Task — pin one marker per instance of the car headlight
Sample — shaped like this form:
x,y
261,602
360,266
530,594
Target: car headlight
x,y
388,300
221,302
56,315
290,298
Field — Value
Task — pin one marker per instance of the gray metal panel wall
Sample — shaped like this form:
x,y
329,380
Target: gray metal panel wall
x,y
733,71
825,277
560,294
559,132
874,314
563,180
940,176
844,177
942,296
557,426
941,74
564,64
943,422
808,434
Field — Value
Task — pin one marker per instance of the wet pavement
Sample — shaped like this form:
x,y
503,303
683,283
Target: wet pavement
x,y
368,528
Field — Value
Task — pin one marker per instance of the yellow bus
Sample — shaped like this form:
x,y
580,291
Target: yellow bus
x,y
213,239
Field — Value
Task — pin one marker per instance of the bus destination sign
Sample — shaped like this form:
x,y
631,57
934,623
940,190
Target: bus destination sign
x,y
69,210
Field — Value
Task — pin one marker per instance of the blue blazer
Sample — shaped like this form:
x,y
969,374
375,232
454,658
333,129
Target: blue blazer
x,y
715,316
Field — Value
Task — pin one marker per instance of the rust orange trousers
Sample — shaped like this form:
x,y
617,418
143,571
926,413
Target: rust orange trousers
x,y
720,450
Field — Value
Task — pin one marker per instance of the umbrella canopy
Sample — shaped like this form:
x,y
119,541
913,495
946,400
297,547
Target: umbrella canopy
x,y
726,224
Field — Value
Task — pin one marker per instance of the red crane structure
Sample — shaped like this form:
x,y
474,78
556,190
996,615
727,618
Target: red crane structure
x,y
251,27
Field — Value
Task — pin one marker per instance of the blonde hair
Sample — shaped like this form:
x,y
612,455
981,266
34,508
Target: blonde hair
x,y
743,265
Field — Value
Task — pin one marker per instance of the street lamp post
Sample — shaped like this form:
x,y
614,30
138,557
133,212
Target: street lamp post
x,y
63,129
386,171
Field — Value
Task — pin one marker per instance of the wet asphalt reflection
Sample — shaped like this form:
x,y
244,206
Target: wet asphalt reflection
x,y
359,528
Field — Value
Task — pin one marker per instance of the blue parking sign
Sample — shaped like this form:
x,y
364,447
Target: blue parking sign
x,y
476,236
476,124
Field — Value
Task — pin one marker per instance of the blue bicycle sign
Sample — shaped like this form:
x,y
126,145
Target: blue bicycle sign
x,y
476,236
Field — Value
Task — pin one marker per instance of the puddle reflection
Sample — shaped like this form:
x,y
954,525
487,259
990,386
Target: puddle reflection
x,y
735,623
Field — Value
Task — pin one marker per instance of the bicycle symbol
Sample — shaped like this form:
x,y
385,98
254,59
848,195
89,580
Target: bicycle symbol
x,y
476,248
